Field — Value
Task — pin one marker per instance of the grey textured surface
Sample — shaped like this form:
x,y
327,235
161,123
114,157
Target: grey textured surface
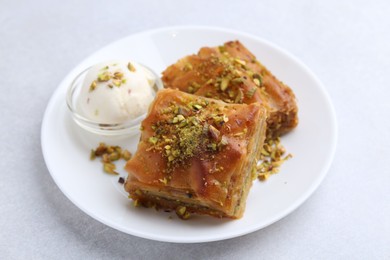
x,y
346,43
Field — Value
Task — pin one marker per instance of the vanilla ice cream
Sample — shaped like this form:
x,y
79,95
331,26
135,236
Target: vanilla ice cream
x,y
116,91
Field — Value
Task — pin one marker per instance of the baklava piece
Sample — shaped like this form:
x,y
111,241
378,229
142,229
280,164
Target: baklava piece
x,y
233,74
196,155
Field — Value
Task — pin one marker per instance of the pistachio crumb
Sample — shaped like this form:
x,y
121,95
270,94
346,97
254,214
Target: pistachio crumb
x,y
131,67
257,79
181,212
239,61
257,82
118,75
251,92
103,77
224,141
92,155
239,96
197,107
117,83
114,156
110,168
224,84
106,158
153,140
187,67
164,181
214,132
126,155
93,86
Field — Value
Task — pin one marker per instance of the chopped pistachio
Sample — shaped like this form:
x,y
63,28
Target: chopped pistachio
x,y
205,128
222,49
180,117
224,141
136,203
257,82
225,118
183,123
187,67
131,67
118,75
209,81
264,176
239,96
175,153
257,79
102,148
118,149
103,77
195,121
126,155
181,212
220,119
117,83
114,156
240,61
110,168
265,153
164,181
197,107
237,80
251,92
239,134
224,84
106,158
153,139
212,146
92,155
214,132
110,149
93,86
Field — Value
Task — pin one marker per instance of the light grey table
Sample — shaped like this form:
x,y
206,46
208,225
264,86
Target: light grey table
x,y
346,43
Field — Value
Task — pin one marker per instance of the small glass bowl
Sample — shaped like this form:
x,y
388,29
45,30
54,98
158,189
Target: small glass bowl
x,y
129,127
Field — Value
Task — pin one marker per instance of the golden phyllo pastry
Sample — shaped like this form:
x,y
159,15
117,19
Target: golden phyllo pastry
x,y
233,74
196,155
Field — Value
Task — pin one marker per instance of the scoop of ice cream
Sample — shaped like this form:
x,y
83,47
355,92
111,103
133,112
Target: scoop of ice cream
x,y
114,92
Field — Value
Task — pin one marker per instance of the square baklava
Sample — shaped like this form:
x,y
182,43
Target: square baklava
x,y
196,155
232,73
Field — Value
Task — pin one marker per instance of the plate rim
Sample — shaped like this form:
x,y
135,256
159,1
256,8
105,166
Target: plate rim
x,y
158,237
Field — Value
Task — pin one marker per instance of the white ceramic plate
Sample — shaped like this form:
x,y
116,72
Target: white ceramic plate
x,y
66,147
